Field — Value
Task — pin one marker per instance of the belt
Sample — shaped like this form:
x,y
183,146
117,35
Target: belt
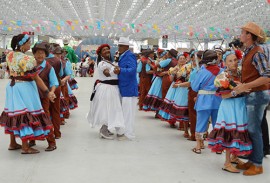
x,y
205,92
110,82
19,79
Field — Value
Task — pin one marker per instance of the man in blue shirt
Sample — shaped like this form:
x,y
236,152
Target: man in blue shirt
x,y
127,85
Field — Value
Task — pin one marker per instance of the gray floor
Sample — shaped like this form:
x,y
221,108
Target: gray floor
x,y
158,155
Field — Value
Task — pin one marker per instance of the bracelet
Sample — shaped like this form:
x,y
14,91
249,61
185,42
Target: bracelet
x,y
234,94
47,92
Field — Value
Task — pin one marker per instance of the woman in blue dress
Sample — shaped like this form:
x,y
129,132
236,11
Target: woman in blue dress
x,y
166,108
23,115
153,99
230,132
179,109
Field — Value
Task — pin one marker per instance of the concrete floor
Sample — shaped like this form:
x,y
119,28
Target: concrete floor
x,y
158,154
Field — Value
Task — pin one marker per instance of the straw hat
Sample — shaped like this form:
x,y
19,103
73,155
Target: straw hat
x,y
253,28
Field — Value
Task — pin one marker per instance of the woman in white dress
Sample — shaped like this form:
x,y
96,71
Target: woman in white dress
x,y
105,105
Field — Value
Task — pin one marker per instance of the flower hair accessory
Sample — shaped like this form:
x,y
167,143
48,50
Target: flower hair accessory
x,y
24,40
237,53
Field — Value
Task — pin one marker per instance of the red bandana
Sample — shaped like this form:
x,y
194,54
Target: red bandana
x,y
214,69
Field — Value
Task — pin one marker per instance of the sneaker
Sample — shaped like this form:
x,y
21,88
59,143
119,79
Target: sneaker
x,y
110,133
121,137
103,133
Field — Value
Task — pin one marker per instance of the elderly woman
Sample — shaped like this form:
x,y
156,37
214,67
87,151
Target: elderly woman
x,y
230,132
23,115
105,106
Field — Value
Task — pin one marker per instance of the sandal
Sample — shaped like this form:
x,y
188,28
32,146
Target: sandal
x,y
219,152
17,146
186,135
230,168
32,143
191,138
236,161
202,145
57,137
30,151
50,148
197,151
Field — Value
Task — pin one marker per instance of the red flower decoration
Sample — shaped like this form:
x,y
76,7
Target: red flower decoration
x,y
238,54
185,54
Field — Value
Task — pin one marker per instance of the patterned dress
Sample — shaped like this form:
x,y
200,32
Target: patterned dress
x,y
23,114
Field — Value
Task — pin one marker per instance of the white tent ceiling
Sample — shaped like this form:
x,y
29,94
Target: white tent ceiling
x,y
137,19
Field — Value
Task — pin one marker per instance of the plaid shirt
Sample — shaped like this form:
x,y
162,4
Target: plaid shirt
x,y
260,62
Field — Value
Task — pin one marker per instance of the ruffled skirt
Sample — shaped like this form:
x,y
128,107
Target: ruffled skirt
x,y
230,132
153,99
23,115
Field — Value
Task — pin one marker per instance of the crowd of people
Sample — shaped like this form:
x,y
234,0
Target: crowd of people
x,y
39,96
225,88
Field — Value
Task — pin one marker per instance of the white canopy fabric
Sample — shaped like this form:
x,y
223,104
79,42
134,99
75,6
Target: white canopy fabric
x,y
136,19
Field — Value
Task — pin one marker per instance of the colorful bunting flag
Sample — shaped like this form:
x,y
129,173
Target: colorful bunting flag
x,y
69,22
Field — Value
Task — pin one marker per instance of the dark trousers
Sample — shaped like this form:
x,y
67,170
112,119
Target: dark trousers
x,y
145,85
55,112
64,90
192,114
46,107
265,132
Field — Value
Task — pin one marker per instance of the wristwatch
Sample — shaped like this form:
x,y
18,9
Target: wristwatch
x,y
234,94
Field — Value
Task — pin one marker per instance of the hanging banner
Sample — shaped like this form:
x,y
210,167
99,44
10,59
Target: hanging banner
x,y
164,41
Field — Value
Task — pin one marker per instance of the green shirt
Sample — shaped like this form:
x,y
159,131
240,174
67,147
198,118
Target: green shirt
x,y
71,54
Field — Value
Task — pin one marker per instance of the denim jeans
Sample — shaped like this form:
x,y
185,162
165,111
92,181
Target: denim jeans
x,y
256,103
